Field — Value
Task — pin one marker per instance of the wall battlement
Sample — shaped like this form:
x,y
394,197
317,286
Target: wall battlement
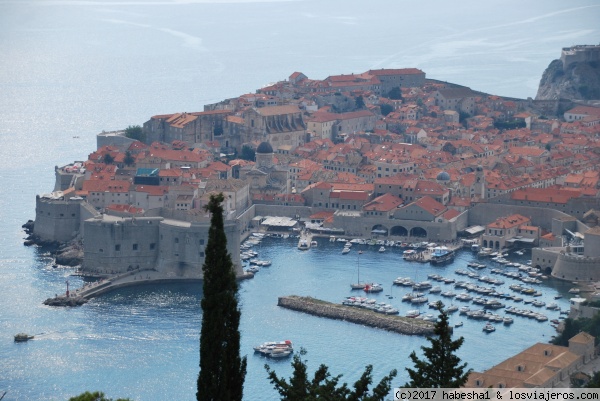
x,y
579,53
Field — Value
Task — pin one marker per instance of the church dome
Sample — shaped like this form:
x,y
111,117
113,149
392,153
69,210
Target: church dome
x,y
264,147
443,176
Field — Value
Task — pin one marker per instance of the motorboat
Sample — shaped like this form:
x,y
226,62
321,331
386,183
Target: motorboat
x,y
459,324
345,250
440,255
313,243
382,249
22,337
507,320
303,244
488,328
373,287
412,313
275,347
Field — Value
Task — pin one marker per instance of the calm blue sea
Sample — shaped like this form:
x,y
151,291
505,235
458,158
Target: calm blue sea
x,y
72,68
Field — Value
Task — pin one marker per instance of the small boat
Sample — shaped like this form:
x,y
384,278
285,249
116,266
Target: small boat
x,y
345,250
412,313
373,287
488,328
382,249
508,320
22,337
313,243
459,324
574,290
303,244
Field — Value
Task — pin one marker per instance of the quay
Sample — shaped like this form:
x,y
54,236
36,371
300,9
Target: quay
x,y
317,307
135,278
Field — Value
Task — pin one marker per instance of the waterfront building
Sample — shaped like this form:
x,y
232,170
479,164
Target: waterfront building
x,y
507,231
541,365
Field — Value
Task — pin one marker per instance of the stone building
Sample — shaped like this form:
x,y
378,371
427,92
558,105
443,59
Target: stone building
x,y
541,365
265,177
278,125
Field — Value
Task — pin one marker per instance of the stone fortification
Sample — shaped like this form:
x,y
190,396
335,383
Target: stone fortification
x,y
365,317
174,248
56,219
576,268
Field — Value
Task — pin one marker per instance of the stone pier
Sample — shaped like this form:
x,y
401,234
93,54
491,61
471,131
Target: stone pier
x,y
317,307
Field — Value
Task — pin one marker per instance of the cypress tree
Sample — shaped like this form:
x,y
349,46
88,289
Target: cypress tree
x,y
442,368
222,370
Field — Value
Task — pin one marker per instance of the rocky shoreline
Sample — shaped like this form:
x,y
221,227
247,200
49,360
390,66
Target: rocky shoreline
x,y
65,254
365,317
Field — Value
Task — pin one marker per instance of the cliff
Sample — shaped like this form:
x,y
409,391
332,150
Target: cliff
x,y
574,81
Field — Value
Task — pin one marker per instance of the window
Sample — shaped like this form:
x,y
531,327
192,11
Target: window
x,y
176,240
117,247
152,246
202,241
135,247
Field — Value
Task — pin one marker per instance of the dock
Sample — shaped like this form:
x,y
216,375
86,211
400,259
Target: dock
x,y
317,307
82,295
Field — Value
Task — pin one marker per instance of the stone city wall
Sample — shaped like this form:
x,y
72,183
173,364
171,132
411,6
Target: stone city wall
x,y
56,219
576,268
119,246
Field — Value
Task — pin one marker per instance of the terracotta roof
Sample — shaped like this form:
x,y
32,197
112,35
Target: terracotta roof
x,y
430,205
383,203
514,220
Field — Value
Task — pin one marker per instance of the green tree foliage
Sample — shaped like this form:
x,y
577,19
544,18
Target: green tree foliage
x,y
441,368
572,327
594,381
509,124
248,153
222,370
395,93
135,132
129,160
325,387
359,102
95,396
108,159
386,109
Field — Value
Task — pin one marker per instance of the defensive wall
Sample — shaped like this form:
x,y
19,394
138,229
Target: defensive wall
x,y
58,219
576,267
485,213
174,248
113,138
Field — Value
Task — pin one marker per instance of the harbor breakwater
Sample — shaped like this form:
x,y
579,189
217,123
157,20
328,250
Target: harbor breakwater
x,y
317,307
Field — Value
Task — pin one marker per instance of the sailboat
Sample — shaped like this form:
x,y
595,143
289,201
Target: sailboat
x,y
358,285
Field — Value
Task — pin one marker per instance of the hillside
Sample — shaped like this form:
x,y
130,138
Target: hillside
x,y
580,81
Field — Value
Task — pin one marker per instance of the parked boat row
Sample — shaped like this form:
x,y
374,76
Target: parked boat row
x,y
371,304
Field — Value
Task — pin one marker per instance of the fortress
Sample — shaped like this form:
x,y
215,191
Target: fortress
x,y
578,54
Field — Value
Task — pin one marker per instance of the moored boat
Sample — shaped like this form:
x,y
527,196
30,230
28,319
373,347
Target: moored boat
x,y
441,254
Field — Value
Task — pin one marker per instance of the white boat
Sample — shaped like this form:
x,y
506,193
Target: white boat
x,y
345,250
459,324
274,346
574,290
313,243
488,328
412,313
382,249
373,287
507,320
303,244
